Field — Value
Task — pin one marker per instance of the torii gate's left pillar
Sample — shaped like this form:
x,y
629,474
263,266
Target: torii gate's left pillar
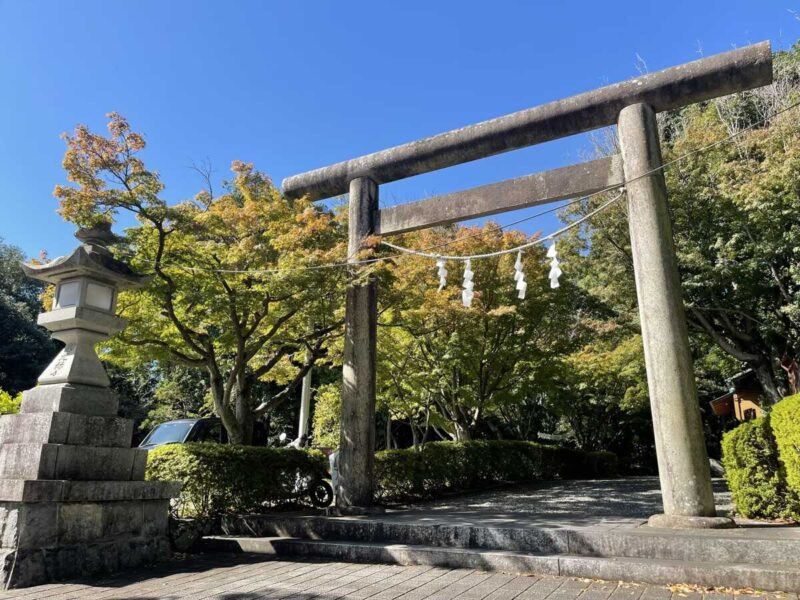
x,y
357,445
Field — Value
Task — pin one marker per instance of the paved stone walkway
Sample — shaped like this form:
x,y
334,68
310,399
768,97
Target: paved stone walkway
x,y
601,503
245,577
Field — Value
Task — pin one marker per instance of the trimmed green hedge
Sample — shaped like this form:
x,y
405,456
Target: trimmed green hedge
x,y
223,479
755,476
219,478
455,466
785,421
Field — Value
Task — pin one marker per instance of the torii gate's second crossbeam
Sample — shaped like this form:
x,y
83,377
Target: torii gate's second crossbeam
x,y
632,105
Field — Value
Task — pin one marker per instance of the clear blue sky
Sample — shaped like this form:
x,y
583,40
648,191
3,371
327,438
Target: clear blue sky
x,y
296,85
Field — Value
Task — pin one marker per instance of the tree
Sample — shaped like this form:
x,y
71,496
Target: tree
x,y
735,210
151,392
235,290
453,367
604,382
180,393
25,348
327,415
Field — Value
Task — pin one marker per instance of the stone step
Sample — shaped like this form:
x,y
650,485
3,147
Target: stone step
x,y
60,461
769,577
40,490
66,428
771,545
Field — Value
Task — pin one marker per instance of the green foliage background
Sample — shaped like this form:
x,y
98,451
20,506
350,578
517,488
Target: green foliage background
x,y
25,348
327,411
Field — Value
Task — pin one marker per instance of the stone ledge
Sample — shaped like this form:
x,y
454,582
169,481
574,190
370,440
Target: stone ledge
x,y
24,568
55,524
66,428
71,398
37,490
81,463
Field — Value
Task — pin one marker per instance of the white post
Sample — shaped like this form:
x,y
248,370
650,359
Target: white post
x,y
305,407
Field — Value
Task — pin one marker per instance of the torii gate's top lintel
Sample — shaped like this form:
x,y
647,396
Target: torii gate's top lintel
x,y
742,69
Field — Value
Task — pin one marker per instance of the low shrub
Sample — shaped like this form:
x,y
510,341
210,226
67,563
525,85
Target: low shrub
x,y
9,405
754,474
220,478
454,466
785,421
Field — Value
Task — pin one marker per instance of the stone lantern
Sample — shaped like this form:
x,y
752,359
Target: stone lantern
x,y
86,285
73,500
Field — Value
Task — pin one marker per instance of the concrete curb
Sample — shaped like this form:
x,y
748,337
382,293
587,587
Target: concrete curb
x,y
659,571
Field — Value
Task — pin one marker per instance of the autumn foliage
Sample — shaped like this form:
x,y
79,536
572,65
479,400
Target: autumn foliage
x,y
235,287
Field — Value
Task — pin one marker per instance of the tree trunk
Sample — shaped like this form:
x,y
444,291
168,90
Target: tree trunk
x,y
756,356
244,406
463,433
222,408
244,417
414,435
766,377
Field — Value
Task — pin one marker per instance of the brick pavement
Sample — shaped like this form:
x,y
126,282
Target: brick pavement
x,y
250,577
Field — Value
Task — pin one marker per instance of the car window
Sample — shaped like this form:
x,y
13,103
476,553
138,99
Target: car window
x,y
168,433
212,433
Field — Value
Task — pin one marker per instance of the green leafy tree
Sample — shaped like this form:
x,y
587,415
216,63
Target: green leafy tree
x,y
735,210
327,415
180,393
605,382
234,291
25,348
135,386
454,367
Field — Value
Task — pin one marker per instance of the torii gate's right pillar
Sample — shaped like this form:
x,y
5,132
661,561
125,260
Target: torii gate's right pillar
x,y
682,459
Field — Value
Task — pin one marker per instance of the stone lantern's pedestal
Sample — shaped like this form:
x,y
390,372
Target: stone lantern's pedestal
x,y
72,497
73,500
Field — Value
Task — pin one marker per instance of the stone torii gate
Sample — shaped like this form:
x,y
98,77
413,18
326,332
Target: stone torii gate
x,y
631,105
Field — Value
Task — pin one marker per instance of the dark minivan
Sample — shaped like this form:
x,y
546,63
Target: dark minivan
x,y
182,431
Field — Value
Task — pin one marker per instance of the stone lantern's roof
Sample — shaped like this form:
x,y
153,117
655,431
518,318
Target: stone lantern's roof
x,y
92,258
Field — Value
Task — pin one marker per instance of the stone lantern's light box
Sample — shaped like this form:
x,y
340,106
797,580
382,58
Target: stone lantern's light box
x,y
67,294
84,291
99,296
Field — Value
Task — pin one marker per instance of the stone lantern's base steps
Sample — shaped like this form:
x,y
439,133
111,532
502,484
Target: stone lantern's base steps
x,y
764,558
